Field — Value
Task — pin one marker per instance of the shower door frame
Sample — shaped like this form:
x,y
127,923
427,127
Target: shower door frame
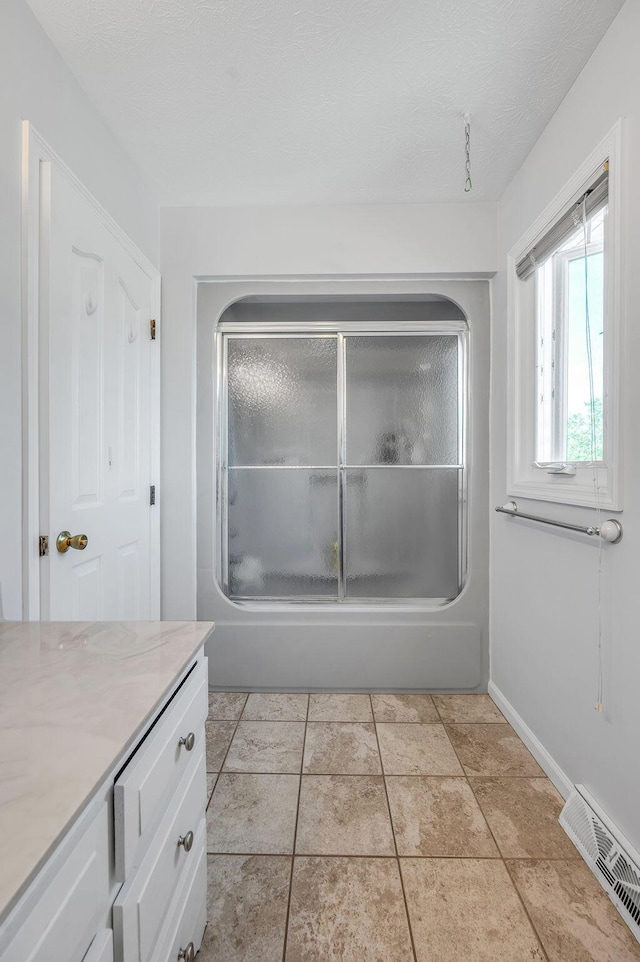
x,y
340,332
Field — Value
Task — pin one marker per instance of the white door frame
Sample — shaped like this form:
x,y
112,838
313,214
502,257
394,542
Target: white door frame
x,y
35,220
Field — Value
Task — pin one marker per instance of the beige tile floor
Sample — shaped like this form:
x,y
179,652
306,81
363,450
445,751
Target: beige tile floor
x,y
390,828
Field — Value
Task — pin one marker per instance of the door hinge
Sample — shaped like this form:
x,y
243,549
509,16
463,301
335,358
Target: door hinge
x,y
152,329
152,494
43,545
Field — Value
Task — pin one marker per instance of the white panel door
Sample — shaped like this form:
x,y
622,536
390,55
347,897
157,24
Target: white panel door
x,y
95,424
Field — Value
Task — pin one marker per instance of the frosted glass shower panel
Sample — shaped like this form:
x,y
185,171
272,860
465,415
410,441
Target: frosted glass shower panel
x,y
282,533
341,472
401,532
402,399
282,400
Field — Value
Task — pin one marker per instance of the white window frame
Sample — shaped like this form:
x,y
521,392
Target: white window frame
x,y
524,477
552,353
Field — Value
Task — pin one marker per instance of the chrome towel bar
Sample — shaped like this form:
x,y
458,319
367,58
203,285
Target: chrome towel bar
x,y
610,530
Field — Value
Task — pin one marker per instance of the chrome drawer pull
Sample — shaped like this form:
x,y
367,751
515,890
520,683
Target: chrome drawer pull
x,y
186,841
188,742
188,954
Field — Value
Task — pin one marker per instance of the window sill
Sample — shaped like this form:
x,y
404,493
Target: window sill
x,y
567,489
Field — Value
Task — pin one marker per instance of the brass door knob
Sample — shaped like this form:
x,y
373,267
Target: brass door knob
x,y
66,540
186,841
188,954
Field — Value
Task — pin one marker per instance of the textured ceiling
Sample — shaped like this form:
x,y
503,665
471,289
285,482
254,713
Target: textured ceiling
x,y
239,102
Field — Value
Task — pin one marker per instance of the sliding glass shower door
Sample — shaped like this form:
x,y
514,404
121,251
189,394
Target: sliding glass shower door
x,y
342,466
282,489
402,467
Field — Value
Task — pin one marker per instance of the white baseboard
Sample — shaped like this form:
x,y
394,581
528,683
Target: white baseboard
x,y
535,746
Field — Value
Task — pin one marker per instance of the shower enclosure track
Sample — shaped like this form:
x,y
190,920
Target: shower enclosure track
x,y
342,469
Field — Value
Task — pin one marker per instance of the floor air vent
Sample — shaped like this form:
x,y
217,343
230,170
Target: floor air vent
x,y
608,857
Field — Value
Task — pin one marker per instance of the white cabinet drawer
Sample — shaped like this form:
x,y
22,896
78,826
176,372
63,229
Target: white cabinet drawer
x,y
101,949
156,769
63,922
141,906
187,917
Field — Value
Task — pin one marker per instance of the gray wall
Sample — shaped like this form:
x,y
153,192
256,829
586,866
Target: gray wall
x,y
543,582
339,648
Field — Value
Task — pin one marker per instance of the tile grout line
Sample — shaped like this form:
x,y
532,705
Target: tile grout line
x,y
244,771
506,868
295,834
215,785
500,855
408,858
312,721
466,778
393,834
213,788
219,772
526,910
438,713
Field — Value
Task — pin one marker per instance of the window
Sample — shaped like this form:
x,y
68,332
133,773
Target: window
x,y
564,336
342,465
570,357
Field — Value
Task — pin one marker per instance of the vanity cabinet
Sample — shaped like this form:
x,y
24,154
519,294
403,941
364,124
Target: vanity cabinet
x,y
66,915
101,949
159,802
127,883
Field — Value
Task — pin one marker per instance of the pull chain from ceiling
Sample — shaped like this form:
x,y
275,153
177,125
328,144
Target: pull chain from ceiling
x,y
467,150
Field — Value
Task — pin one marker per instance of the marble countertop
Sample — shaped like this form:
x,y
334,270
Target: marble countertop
x,y
73,698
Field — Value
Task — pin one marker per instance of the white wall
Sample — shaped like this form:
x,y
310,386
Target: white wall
x,y
543,583
302,242
36,85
